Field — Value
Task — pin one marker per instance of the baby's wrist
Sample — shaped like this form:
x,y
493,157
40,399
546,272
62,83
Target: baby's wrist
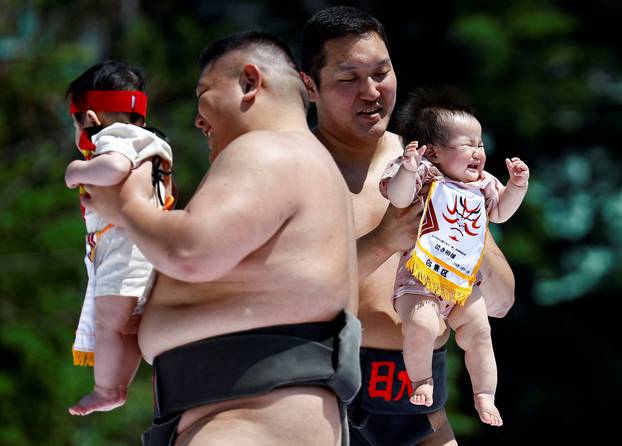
x,y
520,186
411,169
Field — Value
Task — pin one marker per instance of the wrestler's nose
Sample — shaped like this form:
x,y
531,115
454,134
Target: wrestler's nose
x,y
199,122
369,90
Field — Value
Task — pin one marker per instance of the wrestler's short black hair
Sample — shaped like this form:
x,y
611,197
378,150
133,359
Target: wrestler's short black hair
x,y
424,116
108,75
244,40
333,23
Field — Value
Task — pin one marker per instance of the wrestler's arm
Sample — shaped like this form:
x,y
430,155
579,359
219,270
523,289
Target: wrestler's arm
x,y
240,205
106,169
497,285
371,253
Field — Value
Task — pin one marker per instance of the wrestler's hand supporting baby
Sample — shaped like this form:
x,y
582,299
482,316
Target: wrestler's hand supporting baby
x,y
109,201
397,231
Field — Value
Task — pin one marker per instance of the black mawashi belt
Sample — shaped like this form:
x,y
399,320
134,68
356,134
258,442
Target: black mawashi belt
x,y
252,363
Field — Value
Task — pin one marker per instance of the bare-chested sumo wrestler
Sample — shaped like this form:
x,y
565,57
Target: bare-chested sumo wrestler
x,y
249,326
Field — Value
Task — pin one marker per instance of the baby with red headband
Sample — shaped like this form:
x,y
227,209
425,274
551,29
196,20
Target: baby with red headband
x,y
109,110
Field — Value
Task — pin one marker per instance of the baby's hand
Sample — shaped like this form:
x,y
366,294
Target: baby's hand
x,y
412,156
519,172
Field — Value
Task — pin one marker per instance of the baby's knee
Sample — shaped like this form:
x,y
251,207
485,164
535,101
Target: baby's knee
x,y
112,321
421,324
112,313
110,325
131,327
468,335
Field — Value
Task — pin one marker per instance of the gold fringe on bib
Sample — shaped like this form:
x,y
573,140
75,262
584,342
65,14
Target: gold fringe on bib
x,y
436,283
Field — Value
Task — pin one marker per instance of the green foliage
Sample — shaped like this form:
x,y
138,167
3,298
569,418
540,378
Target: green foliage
x,y
539,87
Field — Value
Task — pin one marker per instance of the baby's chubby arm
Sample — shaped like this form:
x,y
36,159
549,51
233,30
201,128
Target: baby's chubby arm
x,y
106,169
511,197
406,183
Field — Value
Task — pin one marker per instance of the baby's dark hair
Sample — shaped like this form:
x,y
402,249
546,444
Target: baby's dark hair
x,y
425,115
108,75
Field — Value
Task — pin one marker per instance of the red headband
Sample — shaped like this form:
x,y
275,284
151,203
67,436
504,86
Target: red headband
x,y
112,101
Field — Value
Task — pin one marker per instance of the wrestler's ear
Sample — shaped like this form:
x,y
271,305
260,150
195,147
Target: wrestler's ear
x,y
309,85
91,119
251,81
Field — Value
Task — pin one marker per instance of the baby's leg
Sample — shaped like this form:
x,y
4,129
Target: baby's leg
x,y
111,376
470,323
420,325
132,355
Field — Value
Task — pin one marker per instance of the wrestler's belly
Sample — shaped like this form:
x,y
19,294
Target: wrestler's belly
x,y
381,324
285,416
178,313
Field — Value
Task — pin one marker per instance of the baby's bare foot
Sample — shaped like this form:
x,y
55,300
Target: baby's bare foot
x,y
422,392
488,412
99,400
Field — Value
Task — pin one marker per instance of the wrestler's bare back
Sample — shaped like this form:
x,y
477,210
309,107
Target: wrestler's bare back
x,y
280,282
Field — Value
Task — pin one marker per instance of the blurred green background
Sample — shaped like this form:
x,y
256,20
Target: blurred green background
x,y
546,79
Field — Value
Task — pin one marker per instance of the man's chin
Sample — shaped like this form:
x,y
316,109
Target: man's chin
x,y
377,129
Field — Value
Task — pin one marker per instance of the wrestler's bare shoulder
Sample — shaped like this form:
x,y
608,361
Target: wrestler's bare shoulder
x,y
284,146
295,160
369,205
390,147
